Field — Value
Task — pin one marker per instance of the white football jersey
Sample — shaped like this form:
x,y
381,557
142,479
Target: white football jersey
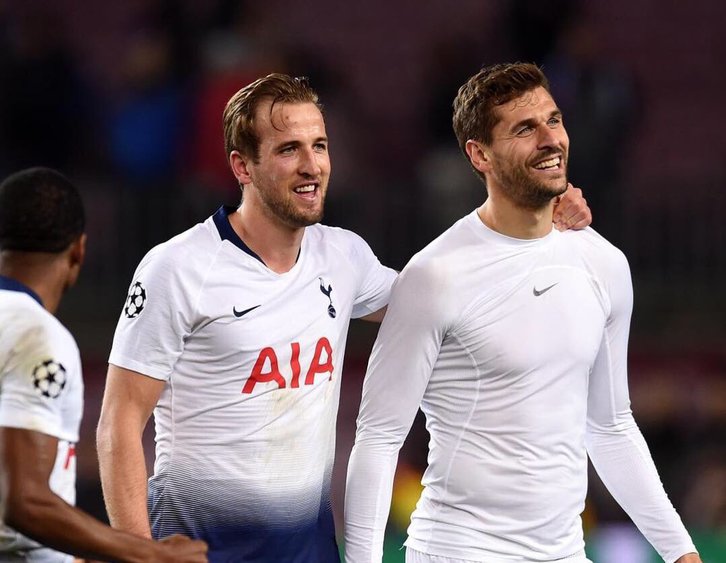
x,y
516,352
245,428
41,389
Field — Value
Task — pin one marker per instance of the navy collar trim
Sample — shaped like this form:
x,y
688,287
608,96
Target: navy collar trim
x,y
226,232
10,284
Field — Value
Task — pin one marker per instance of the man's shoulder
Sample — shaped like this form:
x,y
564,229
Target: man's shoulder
x,y
24,314
596,254
187,249
199,235
344,240
590,241
322,232
441,262
452,247
28,327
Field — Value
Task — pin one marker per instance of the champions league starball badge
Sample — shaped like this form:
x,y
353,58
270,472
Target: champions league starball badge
x,y
49,378
135,301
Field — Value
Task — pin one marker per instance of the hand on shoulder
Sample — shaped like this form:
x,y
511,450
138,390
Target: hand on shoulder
x,y
571,211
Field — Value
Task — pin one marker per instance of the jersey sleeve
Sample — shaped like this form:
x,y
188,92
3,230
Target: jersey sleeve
x,y
40,384
398,372
375,280
157,315
614,441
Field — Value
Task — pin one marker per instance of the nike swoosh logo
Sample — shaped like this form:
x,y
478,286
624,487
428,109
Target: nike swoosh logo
x,y
239,314
539,292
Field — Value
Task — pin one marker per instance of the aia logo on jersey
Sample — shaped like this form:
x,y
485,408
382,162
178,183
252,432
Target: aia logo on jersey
x,y
267,367
327,291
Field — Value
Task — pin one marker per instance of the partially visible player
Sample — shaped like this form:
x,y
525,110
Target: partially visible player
x,y
42,245
235,331
234,334
512,339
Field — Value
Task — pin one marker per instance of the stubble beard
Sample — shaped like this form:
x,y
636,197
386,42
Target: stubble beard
x,y
527,192
284,209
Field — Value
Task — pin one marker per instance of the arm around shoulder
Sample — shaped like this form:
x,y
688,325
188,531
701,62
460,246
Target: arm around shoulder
x,y
128,402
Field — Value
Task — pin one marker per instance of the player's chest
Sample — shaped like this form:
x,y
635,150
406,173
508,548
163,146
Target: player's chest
x,y
269,335
550,314
274,313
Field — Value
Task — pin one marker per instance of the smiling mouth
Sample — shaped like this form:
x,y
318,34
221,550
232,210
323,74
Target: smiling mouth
x,y
307,191
552,163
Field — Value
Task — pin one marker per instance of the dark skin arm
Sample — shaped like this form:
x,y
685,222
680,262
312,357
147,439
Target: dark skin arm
x,y
29,506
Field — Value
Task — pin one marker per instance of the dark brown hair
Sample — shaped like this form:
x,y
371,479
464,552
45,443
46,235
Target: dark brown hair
x,y
475,104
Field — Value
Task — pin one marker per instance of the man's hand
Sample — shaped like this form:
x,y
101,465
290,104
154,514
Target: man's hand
x,y
689,558
180,549
571,211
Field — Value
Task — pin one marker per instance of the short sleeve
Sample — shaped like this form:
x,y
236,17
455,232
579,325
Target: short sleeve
x,y
157,315
42,387
375,279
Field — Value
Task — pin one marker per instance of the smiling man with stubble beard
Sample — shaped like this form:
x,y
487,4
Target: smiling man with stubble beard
x,y
512,339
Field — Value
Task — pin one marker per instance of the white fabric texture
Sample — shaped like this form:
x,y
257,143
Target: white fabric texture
x,y
245,429
32,344
516,352
413,556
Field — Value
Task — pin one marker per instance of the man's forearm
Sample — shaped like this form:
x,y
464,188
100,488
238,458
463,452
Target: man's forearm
x,y
123,477
56,524
625,466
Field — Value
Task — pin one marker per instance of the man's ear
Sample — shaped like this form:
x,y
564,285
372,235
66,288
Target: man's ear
x,y
240,165
76,253
478,155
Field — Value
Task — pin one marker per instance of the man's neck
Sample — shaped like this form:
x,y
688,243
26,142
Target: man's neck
x,y
503,216
36,273
278,245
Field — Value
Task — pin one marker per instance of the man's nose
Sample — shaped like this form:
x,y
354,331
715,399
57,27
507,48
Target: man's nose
x,y
309,164
547,137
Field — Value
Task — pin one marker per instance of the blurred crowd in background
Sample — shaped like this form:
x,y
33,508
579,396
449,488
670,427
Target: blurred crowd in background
x,y
126,98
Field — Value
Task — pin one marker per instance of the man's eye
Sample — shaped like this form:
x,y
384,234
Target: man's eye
x,y
322,147
287,150
524,131
554,121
